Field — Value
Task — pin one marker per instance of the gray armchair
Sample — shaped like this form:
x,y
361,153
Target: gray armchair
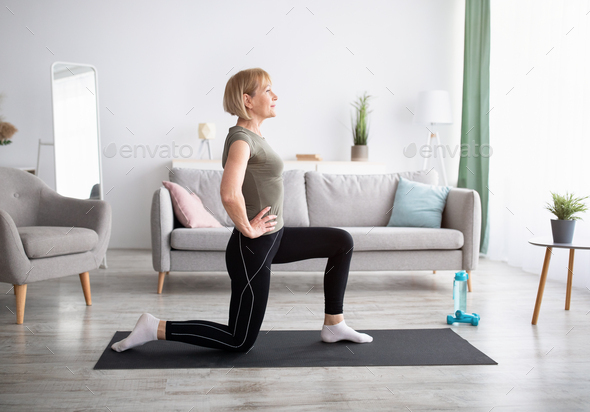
x,y
45,235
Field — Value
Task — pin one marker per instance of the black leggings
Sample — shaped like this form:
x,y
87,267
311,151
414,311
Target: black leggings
x,y
248,263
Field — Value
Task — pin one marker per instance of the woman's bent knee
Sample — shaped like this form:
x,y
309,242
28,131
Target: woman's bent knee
x,y
246,346
346,241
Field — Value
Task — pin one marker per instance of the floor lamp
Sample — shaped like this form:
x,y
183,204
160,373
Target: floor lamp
x,y
434,108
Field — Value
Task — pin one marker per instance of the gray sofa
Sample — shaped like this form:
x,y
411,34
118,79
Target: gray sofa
x,y
360,204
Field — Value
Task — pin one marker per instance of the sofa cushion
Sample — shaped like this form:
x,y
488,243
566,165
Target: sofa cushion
x,y
356,200
365,238
404,238
47,241
200,238
295,202
188,207
418,205
207,185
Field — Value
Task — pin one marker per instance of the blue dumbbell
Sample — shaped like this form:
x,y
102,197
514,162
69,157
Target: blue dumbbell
x,y
463,317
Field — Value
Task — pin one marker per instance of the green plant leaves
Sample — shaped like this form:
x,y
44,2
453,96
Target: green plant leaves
x,y
360,131
564,207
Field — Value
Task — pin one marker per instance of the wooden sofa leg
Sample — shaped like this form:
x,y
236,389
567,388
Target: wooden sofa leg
x,y
434,272
21,296
161,276
468,280
85,280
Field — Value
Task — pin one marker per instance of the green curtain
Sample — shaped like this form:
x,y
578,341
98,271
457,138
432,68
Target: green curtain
x,y
474,165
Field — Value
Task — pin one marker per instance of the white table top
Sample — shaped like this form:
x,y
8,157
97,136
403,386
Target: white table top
x,y
547,241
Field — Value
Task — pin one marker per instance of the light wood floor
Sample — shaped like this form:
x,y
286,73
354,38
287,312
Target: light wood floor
x,y
46,363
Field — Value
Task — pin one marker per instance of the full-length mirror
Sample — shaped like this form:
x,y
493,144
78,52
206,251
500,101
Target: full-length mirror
x,y
76,133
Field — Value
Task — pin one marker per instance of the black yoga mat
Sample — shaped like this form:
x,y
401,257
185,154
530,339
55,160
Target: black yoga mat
x,y
303,348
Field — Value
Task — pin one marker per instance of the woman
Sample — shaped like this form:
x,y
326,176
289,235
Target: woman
x,y
252,194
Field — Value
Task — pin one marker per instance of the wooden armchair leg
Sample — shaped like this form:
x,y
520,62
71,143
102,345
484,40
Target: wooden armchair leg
x,y
21,296
468,280
85,280
161,276
434,272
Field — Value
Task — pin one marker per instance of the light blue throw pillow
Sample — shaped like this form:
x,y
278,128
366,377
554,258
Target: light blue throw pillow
x,y
418,205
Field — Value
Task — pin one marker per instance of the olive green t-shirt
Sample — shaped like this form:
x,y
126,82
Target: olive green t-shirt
x,y
263,180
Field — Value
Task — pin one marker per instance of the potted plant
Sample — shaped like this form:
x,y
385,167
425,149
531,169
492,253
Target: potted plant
x,y
360,131
6,130
564,207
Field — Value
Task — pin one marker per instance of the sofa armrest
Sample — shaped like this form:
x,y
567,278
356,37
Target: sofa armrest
x,y
463,212
95,214
162,225
14,263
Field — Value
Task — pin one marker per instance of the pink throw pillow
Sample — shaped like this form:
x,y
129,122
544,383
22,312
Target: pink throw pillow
x,y
188,208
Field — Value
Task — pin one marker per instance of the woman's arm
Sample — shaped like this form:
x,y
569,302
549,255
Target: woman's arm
x,y
231,185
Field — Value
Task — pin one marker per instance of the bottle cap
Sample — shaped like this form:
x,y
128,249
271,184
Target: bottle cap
x,y
461,275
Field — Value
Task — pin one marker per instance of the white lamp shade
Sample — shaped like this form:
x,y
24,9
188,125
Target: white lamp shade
x,y
434,107
207,131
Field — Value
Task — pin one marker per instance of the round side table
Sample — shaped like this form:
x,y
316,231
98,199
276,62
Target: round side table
x,y
547,241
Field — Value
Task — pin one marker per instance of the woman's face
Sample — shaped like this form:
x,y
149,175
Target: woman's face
x,y
263,104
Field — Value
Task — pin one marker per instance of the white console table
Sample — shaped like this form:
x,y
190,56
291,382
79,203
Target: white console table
x,y
337,167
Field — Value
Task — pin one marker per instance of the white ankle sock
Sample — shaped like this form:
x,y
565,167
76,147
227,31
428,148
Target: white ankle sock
x,y
341,331
145,330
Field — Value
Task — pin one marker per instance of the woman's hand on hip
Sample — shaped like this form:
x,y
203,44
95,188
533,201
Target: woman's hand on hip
x,y
260,225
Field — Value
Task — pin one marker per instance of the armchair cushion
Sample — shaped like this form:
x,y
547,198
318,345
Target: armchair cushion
x,y
47,241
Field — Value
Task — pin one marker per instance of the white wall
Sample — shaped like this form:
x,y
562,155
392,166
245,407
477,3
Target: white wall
x,y
157,60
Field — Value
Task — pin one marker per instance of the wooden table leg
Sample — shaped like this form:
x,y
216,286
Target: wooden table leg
x,y
542,285
570,275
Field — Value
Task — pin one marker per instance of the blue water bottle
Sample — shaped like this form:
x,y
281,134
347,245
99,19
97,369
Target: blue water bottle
x,y
460,291
460,298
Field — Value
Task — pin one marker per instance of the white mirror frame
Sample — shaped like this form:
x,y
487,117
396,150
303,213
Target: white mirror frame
x,y
98,142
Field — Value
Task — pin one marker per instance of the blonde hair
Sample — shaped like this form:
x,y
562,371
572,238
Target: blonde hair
x,y
243,82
